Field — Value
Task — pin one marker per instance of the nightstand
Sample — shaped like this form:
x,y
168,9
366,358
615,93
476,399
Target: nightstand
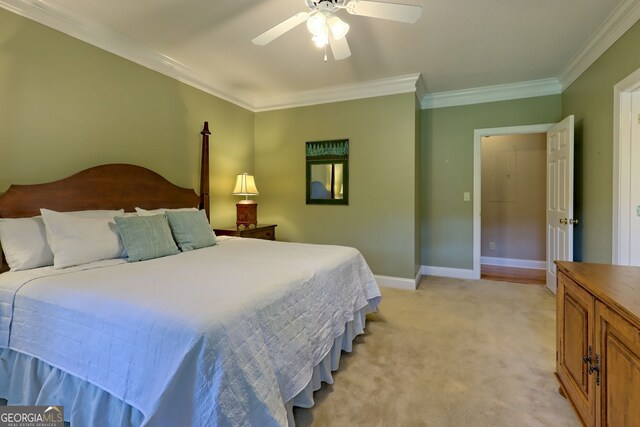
x,y
260,231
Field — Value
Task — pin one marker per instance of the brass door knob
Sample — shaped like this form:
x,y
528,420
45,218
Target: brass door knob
x,y
564,221
573,221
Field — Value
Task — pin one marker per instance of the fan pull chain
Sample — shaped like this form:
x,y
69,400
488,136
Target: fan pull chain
x,y
325,53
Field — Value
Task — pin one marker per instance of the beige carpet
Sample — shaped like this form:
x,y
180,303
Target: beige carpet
x,y
452,353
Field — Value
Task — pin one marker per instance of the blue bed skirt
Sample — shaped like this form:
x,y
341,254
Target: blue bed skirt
x,y
25,380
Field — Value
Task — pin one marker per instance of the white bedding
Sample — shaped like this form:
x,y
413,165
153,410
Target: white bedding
x,y
216,336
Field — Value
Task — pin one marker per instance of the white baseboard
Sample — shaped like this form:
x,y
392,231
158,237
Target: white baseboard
x,y
512,262
398,282
456,273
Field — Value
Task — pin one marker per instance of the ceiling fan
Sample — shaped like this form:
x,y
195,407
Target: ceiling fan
x,y
327,28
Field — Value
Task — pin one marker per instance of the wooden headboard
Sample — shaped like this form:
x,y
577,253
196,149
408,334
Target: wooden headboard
x,y
112,186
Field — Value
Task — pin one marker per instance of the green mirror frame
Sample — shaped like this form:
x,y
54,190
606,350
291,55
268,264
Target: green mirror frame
x,y
331,153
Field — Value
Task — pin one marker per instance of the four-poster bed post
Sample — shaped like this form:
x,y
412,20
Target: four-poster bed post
x,y
204,171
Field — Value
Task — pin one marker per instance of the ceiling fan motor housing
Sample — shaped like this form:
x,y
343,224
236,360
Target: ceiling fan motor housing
x,y
329,5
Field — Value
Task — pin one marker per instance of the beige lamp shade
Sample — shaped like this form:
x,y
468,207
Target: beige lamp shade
x,y
245,186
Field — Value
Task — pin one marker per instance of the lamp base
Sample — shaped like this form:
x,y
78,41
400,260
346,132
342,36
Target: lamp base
x,y
246,213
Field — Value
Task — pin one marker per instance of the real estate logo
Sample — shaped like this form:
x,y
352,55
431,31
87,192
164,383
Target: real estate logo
x,y
31,416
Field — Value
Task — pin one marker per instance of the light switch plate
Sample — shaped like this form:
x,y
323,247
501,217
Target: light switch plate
x,y
466,196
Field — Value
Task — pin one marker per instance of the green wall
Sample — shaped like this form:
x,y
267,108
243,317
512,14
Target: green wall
x,y
590,99
447,170
66,105
380,217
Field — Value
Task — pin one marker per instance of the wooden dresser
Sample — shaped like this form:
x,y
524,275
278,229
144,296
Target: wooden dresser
x,y
260,231
598,342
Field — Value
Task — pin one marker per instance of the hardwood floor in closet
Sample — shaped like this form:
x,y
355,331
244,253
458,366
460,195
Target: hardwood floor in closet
x,y
510,274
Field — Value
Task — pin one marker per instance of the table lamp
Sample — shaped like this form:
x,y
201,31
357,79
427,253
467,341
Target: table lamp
x,y
247,210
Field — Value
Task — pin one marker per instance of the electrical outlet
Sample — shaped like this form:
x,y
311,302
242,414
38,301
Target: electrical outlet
x,y
492,246
466,196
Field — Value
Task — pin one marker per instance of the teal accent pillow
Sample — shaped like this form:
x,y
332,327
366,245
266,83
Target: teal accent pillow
x,y
146,237
191,229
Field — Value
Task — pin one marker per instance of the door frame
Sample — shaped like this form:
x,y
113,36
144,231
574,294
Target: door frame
x,y
622,167
478,134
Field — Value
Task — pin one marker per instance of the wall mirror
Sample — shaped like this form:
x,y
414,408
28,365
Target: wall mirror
x,y
328,172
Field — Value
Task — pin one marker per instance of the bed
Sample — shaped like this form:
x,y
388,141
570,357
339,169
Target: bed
x,y
236,333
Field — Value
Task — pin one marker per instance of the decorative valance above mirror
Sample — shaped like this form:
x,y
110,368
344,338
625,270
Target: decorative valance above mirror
x,y
328,172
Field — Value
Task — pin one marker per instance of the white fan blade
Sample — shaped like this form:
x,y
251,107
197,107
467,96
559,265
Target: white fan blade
x,y
395,12
275,32
340,48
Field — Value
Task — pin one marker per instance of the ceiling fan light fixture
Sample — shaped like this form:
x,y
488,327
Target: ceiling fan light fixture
x,y
317,24
321,40
338,27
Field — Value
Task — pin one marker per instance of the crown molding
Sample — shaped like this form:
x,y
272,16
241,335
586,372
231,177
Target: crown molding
x,y
623,17
75,26
626,14
51,15
479,95
421,88
347,92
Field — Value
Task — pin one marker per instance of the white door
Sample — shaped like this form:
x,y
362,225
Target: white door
x,y
626,171
634,218
559,197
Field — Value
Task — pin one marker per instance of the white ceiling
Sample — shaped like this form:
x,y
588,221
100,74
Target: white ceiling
x,y
456,44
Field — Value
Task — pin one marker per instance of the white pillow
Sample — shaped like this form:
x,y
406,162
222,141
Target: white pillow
x,y
24,242
144,212
76,240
